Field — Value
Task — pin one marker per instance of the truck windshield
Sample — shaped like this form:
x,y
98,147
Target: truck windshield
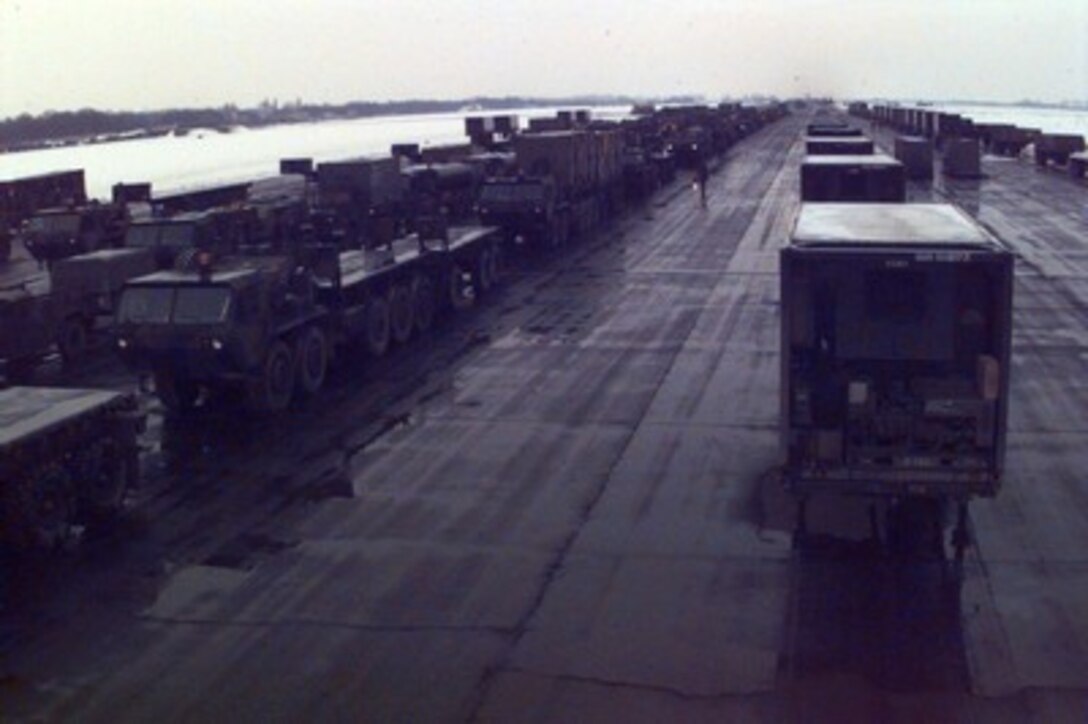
x,y
201,305
54,224
145,305
512,193
180,305
145,236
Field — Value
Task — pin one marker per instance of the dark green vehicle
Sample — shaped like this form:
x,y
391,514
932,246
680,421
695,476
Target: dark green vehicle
x,y
66,311
251,323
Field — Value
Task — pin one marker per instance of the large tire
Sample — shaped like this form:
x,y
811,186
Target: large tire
x,y
177,393
424,302
40,509
482,277
312,355
495,264
401,313
377,326
276,386
458,295
21,371
72,340
107,472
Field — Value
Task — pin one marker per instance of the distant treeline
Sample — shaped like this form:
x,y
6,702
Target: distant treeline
x,y
58,127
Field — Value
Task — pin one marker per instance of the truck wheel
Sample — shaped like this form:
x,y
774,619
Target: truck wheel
x,y
20,371
495,263
313,360
483,271
72,340
377,326
273,391
423,301
401,313
459,293
41,510
175,392
110,472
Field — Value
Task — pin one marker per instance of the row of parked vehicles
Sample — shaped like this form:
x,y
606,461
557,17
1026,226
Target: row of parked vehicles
x,y
255,288
896,335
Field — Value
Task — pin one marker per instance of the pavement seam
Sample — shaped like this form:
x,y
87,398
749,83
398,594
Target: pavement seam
x,y
491,672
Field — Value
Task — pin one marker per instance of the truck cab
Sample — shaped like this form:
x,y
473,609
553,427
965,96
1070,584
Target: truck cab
x,y
525,208
177,238
246,322
55,234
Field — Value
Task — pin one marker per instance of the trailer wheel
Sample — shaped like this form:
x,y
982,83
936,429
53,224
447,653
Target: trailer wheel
x,y
176,392
483,271
377,326
72,340
273,391
41,510
459,292
401,313
312,353
423,300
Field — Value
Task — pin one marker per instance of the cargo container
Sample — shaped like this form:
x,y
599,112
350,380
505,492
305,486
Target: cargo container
x,y
67,456
838,146
1078,164
916,155
1056,147
896,332
868,178
961,158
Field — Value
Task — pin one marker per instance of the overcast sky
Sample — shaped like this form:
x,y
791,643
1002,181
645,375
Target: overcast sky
x,y
148,54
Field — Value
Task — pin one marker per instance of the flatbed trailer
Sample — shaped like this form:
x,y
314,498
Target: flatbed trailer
x,y
67,456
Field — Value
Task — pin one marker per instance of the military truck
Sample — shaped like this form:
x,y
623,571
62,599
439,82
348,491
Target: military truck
x,y
896,331
53,234
445,188
175,239
67,456
66,311
19,198
557,194
866,178
529,210
268,325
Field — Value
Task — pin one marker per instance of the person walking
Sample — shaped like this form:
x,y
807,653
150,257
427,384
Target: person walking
x,y
702,173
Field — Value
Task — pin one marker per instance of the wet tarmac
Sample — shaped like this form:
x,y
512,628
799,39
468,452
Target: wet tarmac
x,y
562,506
